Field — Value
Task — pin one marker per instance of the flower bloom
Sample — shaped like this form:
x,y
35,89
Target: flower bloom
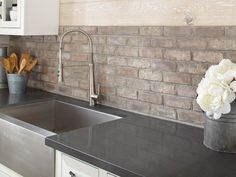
x,y
217,89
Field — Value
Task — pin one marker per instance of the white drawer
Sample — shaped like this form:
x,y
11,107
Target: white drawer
x,y
6,172
2,174
111,175
79,168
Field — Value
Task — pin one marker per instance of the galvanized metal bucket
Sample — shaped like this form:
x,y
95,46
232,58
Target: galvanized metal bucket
x,y
17,83
220,135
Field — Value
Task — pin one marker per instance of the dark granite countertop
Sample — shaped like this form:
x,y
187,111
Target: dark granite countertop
x,y
32,95
136,145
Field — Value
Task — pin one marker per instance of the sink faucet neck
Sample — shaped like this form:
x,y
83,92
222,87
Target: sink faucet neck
x,y
93,97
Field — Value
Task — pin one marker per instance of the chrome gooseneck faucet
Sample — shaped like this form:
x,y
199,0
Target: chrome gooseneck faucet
x,y
93,97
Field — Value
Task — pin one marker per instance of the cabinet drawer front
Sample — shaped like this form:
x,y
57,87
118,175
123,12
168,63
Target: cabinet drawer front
x,y
2,174
111,175
79,168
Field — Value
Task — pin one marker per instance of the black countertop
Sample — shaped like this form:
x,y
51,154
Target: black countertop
x,y
31,95
136,145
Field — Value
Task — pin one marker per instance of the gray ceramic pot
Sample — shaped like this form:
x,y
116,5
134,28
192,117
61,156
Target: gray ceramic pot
x,y
220,135
17,83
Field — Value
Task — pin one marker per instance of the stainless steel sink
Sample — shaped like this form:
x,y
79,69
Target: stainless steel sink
x,y
57,116
23,130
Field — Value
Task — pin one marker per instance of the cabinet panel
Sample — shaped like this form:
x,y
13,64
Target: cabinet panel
x,y
6,172
5,8
111,175
32,17
2,174
67,166
75,168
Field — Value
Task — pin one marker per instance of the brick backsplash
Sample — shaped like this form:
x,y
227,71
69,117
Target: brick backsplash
x,y
151,70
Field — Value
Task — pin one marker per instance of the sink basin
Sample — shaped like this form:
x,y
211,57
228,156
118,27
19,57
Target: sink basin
x,y
23,130
57,116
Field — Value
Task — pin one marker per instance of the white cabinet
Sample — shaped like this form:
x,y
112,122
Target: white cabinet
x,y
6,172
67,166
111,175
29,17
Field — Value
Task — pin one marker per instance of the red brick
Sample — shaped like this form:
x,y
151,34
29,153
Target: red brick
x,y
82,94
115,60
150,52
230,31
196,79
127,71
180,78
163,111
139,63
153,31
116,40
192,67
148,74
127,51
99,39
192,43
138,106
160,65
138,41
177,31
209,31
127,93
126,30
222,44
190,116
177,55
150,97
177,102
163,87
203,56
163,42
108,90
138,84
187,91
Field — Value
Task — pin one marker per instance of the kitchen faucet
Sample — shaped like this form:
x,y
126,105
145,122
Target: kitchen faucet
x,y
93,97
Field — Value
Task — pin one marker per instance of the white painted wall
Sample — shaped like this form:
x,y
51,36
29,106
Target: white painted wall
x,y
147,12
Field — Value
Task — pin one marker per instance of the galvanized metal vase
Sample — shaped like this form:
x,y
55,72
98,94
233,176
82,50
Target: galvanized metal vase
x,y
17,83
220,135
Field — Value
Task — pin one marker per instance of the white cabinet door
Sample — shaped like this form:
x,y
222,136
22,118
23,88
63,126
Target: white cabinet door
x,y
67,166
75,168
111,175
3,174
5,20
33,17
6,172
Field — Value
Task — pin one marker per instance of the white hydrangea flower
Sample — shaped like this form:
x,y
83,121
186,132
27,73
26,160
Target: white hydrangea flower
x,y
214,97
224,71
217,90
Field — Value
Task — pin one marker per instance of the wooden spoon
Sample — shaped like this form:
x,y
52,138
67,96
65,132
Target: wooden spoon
x,y
22,65
30,65
6,65
14,62
25,56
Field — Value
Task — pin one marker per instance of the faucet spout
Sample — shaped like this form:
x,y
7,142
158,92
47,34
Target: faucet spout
x,y
93,97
